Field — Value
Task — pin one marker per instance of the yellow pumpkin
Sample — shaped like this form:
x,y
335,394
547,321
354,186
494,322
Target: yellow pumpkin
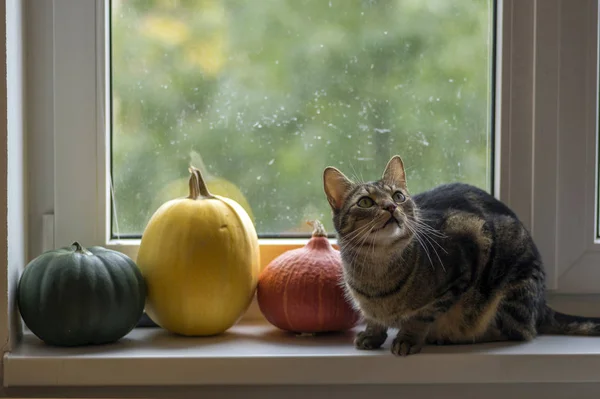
x,y
200,258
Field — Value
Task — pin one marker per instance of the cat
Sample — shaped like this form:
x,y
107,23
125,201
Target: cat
x,y
452,265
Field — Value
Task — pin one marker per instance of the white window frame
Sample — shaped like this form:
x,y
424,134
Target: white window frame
x,y
546,162
548,134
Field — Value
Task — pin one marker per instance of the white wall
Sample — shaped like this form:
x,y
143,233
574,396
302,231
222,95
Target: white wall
x,y
4,331
40,117
15,232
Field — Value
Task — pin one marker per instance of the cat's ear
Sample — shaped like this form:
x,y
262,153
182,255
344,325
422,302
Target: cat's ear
x,y
337,186
394,172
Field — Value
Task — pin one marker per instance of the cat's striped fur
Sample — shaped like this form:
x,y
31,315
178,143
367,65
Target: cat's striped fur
x,y
450,265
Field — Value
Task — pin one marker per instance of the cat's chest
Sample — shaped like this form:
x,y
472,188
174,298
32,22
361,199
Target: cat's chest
x,y
385,309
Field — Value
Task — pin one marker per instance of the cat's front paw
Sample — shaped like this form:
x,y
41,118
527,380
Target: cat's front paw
x,y
405,345
368,340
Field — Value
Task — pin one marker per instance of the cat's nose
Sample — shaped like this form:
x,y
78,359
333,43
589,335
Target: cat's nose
x,y
390,207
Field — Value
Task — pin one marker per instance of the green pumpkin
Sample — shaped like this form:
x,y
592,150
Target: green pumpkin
x,y
76,296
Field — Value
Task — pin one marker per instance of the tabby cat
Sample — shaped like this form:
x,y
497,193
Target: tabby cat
x,y
452,265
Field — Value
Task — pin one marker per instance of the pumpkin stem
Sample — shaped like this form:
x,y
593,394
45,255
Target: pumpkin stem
x,y
197,185
77,246
318,228
79,249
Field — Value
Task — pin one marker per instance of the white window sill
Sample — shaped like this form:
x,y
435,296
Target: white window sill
x,y
257,354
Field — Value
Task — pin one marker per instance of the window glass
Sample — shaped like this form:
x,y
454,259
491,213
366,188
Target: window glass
x,y
263,95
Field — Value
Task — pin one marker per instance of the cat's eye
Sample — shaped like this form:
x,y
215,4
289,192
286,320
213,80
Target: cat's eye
x,y
398,197
365,202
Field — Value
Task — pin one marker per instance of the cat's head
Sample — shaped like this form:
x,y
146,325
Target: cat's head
x,y
376,212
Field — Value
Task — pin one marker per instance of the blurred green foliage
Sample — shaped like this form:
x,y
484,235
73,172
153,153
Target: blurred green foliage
x,y
270,92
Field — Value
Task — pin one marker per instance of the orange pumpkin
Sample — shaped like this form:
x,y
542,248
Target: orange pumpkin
x,y
300,291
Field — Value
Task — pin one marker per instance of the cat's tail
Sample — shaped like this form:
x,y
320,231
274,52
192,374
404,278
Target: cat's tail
x,y
553,322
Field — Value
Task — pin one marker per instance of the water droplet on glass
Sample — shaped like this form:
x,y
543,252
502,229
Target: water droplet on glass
x,y
381,131
423,140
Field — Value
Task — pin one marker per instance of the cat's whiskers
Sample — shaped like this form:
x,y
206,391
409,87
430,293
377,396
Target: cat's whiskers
x,y
424,239
351,236
359,237
357,234
429,230
431,238
366,253
420,241
357,252
357,231
372,246
419,221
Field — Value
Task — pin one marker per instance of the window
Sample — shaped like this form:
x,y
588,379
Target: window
x,y
262,96
528,109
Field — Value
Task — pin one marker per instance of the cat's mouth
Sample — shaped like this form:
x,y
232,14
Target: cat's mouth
x,y
391,221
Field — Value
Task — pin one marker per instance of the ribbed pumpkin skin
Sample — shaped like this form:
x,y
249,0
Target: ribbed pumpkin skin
x,y
300,291
200,258
71,298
